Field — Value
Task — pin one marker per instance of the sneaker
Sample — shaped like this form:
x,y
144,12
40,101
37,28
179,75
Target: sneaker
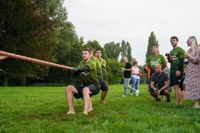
x,y
168,100
137,92
158,100
123,95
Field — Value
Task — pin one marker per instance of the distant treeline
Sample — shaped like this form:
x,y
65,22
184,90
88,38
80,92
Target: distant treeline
x,y
40,29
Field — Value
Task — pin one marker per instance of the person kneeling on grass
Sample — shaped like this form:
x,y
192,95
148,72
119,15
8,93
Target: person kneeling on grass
x,y
159,84
89,86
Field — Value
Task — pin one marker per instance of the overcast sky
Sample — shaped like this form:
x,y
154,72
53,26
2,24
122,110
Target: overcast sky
x,y
133,20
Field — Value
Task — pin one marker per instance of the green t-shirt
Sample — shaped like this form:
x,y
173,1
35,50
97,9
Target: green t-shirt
x,y
103,65
153,60
177,59
90,77
98,66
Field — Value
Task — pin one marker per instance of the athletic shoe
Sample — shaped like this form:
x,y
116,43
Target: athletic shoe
x,y
168,100
158,100
123,95
137,92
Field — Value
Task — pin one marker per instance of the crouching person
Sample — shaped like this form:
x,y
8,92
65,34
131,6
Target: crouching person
x,y
159,84
89,84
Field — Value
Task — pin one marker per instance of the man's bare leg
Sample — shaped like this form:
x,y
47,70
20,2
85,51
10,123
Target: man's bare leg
x,y
197,104
103,95
69,92
178,94
90,109
86,98
167,94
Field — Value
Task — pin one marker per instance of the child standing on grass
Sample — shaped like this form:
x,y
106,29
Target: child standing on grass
x,y
135,76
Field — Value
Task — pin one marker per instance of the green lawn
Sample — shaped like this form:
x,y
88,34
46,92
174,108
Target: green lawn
x,y
42,109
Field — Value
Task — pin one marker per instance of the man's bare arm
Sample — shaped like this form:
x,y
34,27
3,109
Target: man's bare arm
x,y
3,57
165,86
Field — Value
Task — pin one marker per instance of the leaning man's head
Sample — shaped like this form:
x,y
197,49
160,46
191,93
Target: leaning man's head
x,y
86,54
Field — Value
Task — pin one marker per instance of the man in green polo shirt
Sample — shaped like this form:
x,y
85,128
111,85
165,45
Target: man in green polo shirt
x,y
176,59
104,86
89,84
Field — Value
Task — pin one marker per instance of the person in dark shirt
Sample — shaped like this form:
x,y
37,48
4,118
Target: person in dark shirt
x,y
127,74
159,84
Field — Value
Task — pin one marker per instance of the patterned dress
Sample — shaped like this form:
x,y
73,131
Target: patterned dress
x,y
192,76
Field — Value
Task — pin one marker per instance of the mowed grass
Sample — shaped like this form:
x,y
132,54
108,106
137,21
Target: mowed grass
x,y
42,110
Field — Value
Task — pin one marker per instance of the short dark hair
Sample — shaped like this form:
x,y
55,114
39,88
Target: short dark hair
x,y
87,49
98,50
174,37
155,46
135,62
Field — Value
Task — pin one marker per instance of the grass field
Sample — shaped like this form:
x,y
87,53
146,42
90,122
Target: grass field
x,y
42,110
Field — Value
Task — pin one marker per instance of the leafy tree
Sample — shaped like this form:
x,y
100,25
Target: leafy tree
x,y
30,28
151,42
95,46
115,74
129,52
126,50
112,50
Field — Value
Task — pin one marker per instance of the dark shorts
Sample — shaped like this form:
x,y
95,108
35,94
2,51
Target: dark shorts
x,y
104,86
174,80
94,89
161,93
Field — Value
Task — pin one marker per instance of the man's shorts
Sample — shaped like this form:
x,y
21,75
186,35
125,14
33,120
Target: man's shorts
x,y
104,86
174,80
94,89
161,93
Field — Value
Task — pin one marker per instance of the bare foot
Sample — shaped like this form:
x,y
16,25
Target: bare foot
x,y
90,110
70,113
196,106
102,102
85,113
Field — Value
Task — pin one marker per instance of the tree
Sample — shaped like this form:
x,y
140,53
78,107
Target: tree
x,y
95,46
126,50
129,52
151,42
112,50
30,28
115,74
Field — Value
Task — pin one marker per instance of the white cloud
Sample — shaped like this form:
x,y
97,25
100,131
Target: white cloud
x,y
133,20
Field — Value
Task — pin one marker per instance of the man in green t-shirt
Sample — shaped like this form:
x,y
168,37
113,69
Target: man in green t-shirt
x,y
156,58
87,72
104,86
176,59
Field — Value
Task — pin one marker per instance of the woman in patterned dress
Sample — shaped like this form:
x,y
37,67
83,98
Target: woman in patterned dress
x,y
192,71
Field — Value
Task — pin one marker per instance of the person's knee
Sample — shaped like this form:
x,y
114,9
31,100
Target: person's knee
x,y
86,90
176,87
69,88
166,92
104,92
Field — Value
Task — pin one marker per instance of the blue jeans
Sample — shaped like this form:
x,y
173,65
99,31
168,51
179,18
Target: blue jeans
x,y
135,84
126,83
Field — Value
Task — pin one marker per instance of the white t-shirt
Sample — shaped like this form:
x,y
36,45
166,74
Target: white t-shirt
x,y
134,72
